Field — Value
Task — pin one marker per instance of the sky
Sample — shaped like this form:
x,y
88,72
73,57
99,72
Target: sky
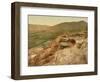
x,y
53,20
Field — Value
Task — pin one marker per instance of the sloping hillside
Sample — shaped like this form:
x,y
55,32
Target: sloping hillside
x,y
39,34
66,49
71,26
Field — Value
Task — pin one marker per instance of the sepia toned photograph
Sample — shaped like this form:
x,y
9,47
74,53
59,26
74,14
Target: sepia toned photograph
x,y
57,40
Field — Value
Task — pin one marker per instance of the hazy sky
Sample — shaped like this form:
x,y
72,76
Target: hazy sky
x,y
53,20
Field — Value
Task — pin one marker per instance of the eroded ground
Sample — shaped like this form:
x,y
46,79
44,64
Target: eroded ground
x,y
65,49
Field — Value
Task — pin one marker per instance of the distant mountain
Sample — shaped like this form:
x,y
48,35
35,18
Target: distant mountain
x,y
65,26
70,26
37,28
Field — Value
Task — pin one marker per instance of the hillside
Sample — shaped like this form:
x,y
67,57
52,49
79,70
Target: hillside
x,y
71,26
37,28
65,49
39,34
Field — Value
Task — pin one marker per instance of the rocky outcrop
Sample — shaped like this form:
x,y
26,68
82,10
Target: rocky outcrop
x,y
64,50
